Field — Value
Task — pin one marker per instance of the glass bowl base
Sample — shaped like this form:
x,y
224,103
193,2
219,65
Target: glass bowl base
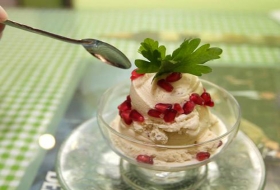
x,y
85,161
143,179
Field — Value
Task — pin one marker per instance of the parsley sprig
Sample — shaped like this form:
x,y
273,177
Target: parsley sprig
x,y
188,58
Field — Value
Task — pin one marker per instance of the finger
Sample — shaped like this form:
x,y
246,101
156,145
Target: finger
x,y
3,14
2,26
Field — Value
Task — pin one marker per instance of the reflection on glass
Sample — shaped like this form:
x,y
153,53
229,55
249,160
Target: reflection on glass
x,y
47,141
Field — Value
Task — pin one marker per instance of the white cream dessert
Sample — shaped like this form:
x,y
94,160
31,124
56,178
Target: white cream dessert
x,y
172,108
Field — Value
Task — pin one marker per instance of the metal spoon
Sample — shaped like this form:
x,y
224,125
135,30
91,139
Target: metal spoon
x,y
101,50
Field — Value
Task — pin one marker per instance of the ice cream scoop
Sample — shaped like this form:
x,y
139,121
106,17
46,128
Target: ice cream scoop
x,y
163,117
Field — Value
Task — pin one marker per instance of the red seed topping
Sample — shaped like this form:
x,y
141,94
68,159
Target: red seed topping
x,y
170,115
206,97
196,99
125,115
154,113
124,106
175,76
163,107
202,156
136,116
135,75
210,104
145,159
165,85
220,144
178,108
188,107
128,99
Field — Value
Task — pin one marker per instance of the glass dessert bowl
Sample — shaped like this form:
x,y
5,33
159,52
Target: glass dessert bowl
x,y
164,166
163,129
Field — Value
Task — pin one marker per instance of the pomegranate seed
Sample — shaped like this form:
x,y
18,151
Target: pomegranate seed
x,y
125,115
170,115
178,108
202,156
188,107
163,107
135,75
124,106
196,99
175,76
165,85
206,97
136,116
154,113
128,99
210,104
145,159
220,144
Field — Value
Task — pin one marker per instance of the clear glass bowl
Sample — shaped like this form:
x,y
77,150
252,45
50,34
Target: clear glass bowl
x,y
85,161
188,174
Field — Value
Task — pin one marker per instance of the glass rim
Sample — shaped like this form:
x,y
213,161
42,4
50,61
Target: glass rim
x,y
128,138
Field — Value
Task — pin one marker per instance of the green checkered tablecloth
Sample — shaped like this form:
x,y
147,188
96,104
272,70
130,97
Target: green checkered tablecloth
x,y
37,79
39,75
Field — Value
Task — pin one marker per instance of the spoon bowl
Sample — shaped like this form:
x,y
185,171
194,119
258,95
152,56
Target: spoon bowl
x,y
106,53
101,50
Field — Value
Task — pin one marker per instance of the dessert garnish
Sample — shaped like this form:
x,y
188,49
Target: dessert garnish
x,y
200,156
188,58
180,102
145,159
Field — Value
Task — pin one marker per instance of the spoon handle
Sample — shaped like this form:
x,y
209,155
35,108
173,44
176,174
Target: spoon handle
x,y
41,32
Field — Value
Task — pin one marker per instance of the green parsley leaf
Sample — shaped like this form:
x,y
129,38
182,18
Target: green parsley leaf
x,y
188,58
151,50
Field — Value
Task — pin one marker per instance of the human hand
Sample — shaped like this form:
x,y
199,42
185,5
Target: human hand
x,y
3,17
